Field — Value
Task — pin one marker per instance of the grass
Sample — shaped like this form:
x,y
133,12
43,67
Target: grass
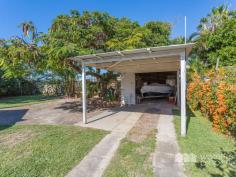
x,y
133,158
214,155
23,100
44,150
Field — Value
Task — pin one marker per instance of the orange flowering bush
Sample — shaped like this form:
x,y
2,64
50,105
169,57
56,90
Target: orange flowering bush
x,y
215,97
193,90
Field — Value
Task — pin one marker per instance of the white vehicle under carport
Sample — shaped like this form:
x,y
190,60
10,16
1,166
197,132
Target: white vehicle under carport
x,y
156,90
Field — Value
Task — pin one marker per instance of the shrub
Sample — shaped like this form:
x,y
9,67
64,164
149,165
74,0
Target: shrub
x,y
214,94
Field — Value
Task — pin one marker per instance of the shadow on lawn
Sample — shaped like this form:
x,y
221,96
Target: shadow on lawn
x,y
190,115
225,163
10,117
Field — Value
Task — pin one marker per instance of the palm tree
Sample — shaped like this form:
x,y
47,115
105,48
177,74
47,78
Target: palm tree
x,y
214,19
28,29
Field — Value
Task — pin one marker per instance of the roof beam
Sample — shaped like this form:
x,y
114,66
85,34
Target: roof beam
x,y
150,63
149,50
120,53
111,66
140,70
95,55
159,61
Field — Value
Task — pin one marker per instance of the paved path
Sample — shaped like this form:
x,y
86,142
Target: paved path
x,y
119,123
166,159
94,164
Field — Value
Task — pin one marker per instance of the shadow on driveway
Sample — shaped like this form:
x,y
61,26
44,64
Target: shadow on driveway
x,y
10,117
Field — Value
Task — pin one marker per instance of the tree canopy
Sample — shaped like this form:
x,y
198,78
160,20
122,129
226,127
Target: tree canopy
x,y
217,36
92,32
78,33
75,34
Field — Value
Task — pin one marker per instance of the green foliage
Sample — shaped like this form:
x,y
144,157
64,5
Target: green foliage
x,y
92,89
76,34
222,44
178,40
129,35
19,58
16,86
18,101
215,19
217,38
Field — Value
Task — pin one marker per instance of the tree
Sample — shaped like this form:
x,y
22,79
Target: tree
x,y
180,39
215,19
19,58
129,35
75,34
216,40
29,29
221,44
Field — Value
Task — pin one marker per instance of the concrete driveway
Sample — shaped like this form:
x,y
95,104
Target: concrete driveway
x,y
61,111
110,119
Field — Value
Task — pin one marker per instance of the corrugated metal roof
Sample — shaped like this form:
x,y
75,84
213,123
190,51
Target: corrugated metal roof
x,y
133,52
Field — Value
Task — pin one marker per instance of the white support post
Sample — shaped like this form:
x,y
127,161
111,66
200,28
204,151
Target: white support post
x,y
84,101
183,93
178,88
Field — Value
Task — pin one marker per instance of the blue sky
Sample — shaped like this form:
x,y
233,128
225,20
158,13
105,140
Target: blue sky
x,y
42,12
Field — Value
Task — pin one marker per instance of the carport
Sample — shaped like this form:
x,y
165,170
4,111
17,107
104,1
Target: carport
x,y
146,60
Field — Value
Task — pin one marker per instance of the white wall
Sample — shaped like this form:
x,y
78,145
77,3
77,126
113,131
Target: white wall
x,y
128,88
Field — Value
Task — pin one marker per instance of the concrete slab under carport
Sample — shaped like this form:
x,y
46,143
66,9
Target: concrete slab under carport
x,y
116,119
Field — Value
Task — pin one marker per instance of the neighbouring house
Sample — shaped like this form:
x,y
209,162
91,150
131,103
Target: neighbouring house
x,y
146,72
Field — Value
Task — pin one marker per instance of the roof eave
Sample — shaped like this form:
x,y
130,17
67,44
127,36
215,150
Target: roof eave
x,y
98,56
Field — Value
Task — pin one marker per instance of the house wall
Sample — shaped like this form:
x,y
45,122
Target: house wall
x,y
128,89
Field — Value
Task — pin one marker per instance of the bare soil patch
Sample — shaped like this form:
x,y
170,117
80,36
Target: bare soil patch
x,y
12,139
146,124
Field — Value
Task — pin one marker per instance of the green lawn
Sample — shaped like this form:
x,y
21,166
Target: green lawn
x,y
23,100
215,153
44,150
133,159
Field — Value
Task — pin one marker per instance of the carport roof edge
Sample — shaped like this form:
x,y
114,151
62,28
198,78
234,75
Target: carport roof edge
x,y
125,53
